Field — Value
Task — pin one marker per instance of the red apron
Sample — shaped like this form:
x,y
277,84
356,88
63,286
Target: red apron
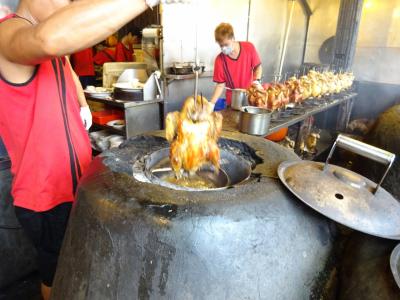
x,y
41,127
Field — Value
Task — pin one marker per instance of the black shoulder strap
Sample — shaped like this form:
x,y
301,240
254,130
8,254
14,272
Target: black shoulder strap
x,y
109,55
228,76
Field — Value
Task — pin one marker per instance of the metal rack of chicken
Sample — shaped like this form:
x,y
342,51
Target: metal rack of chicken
x,y
298,99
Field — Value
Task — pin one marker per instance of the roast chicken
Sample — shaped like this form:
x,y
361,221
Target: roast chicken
x,y
193,134
315,84
295,90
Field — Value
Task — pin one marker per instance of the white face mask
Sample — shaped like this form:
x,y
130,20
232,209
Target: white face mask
x,y
227,50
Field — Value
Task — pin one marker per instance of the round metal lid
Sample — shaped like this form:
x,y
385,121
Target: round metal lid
x,y
343,196
395,264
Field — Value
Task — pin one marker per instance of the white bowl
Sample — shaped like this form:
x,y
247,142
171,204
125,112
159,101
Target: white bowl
x,y
117,124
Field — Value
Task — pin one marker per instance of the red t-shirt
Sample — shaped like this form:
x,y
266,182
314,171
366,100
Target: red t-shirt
x,y
104,56
119,54
83,63
43,132
122,54
237,73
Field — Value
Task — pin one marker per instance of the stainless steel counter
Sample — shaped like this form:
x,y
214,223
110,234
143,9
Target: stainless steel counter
x,y
140,116
231,117
124,104
172,77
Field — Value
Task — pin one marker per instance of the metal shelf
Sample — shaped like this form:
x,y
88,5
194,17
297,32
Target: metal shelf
x,y
172,77
140,116
111,129
231,117
124,104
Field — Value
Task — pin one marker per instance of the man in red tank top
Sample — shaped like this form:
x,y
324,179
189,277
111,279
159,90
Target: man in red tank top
x,y
238,66
42,107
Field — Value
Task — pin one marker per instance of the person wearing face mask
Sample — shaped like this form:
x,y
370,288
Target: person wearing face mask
x,y
238,66
43,111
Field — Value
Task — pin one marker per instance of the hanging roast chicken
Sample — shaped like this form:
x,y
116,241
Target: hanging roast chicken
x,y
193,133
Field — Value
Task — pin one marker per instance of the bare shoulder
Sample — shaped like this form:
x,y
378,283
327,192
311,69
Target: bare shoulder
x,y
9,29
12,72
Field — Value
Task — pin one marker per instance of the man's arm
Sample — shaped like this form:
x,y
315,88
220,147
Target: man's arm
x,y
79,88
257,73
75,27
85,112
219,89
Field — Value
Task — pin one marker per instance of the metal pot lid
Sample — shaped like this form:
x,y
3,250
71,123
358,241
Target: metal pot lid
x,y
343,195
395,264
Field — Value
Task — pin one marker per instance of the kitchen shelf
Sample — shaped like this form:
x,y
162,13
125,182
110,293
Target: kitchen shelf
x,y
124,104
111,129
172,77
231,117
140,116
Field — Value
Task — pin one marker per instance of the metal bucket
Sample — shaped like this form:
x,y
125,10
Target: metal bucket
x,y
254,120
239,98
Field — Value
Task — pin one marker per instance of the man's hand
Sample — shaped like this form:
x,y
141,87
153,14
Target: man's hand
x,y
211,107
86,116
257,84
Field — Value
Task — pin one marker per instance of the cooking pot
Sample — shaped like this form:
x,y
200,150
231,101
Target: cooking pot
x,y
184,68
239,98
254,120
128,94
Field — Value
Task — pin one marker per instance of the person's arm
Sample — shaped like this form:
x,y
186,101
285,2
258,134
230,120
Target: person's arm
x,y
79,89
85,112
257,73
256,64
219,89
219,79
77,26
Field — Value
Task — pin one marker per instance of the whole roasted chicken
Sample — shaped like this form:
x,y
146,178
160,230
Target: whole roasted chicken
x,y
193,133
315,84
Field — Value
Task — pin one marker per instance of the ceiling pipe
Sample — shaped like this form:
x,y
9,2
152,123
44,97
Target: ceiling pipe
x,y
286,40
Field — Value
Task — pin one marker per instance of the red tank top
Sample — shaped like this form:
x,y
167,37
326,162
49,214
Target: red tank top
x,y
43,132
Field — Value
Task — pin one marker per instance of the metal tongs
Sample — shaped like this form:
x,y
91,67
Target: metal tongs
x,y
196,67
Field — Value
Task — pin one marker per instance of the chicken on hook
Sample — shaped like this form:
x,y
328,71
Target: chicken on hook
x,y
193,133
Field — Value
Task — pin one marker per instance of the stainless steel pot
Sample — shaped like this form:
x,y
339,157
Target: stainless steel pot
x,y
239,98
254,120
